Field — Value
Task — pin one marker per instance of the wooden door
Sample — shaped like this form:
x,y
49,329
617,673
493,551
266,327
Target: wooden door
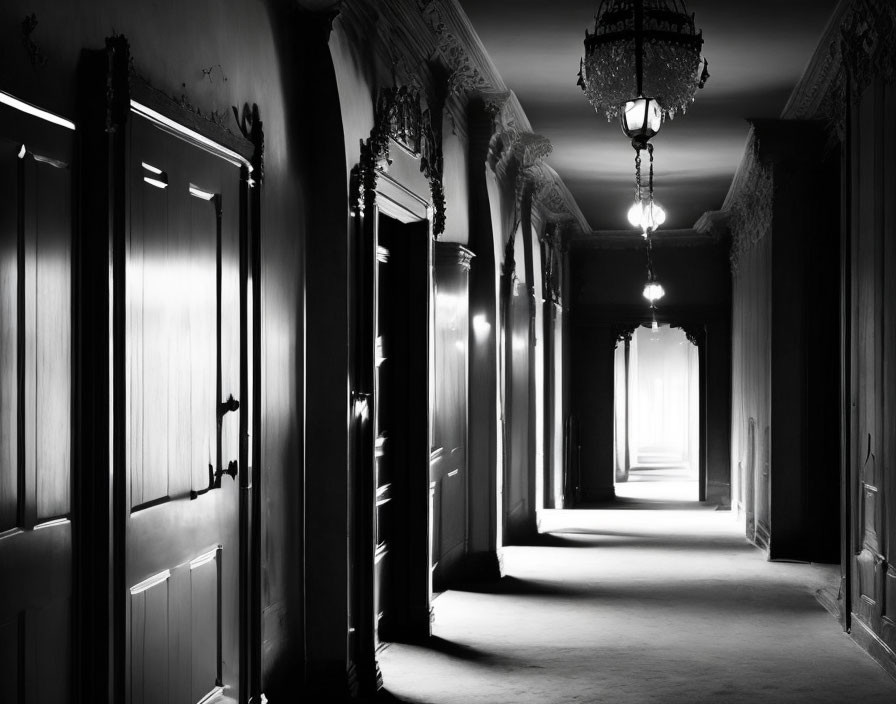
x,y
182,342
35,405
517,316
387,389
448,463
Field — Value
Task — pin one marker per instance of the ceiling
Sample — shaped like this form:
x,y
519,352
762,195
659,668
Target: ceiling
x,y
757,51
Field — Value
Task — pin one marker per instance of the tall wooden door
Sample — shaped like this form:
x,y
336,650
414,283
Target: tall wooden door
x,y
448,464
181,412
35,404
517,321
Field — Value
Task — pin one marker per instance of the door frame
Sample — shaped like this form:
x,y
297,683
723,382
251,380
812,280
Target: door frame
x,y
108,92
380,192
696,333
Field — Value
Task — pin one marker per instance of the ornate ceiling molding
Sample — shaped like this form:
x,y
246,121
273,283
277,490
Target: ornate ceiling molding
x,y
859,45
465,73
555,202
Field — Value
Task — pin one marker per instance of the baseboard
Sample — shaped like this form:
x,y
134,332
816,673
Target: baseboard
x,y
872,644
828,598
719,493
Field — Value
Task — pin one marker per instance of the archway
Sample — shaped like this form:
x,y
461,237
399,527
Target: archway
x,y
657,416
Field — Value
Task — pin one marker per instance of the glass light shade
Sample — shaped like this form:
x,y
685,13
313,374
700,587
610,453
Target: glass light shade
x,y
648,216
653,291
642,119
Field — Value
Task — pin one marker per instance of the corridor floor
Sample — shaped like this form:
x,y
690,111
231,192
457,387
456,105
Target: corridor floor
x,y
634,606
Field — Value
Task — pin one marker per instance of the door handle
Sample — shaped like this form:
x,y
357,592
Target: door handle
x,y
214,478
228,406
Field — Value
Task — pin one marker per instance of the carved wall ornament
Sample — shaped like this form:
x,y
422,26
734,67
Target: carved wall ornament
x,y
401,117
868,42
695,332
859,46
495,102
463,76
623,332
552,243
37,58
751,207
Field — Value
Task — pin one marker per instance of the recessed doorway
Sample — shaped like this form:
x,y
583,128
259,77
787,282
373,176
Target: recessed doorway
x,y
657,416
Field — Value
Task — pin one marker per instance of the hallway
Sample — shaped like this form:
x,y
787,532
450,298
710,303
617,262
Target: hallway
x,y
633,606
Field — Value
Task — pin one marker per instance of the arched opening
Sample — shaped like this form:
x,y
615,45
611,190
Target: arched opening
x,y
657,416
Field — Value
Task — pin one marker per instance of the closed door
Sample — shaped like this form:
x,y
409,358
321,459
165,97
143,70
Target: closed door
x,y
181,408
35,405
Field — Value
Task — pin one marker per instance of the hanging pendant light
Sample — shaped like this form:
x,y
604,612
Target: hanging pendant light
x,y
653,289
641,119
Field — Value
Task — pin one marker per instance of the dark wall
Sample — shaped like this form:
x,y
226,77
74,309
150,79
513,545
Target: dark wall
x,y
786,425
870,548
606,287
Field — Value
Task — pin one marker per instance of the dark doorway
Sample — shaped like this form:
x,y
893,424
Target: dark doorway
x,y
401,417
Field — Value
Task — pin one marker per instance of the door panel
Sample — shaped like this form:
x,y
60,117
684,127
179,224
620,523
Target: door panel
x,y
516,480
35,408
448,464
182,353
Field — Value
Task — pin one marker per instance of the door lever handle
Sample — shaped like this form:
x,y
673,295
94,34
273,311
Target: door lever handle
x,y
228,406
214,478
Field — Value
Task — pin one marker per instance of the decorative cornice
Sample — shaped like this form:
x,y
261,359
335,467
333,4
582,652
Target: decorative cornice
x,y
555,201
858,45
821,75
749,203
715,224
465,73
452,254
400,118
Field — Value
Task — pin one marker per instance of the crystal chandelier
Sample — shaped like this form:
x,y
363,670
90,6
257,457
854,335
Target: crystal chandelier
x,y
642,49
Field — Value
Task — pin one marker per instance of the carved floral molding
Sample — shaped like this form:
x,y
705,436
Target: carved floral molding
x,y
401,118
750,210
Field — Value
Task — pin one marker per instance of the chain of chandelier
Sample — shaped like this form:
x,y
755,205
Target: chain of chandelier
x,y
643,65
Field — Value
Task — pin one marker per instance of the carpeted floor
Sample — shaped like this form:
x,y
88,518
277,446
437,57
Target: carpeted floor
x,y
634,606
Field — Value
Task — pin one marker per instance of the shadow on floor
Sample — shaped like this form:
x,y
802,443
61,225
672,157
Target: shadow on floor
x,y
628,504
519,587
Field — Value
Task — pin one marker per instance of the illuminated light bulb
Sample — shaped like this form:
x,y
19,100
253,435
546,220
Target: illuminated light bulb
x,y
642,120
653,291
648,216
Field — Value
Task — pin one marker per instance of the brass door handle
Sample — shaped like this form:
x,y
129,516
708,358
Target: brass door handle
x,y
228,406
